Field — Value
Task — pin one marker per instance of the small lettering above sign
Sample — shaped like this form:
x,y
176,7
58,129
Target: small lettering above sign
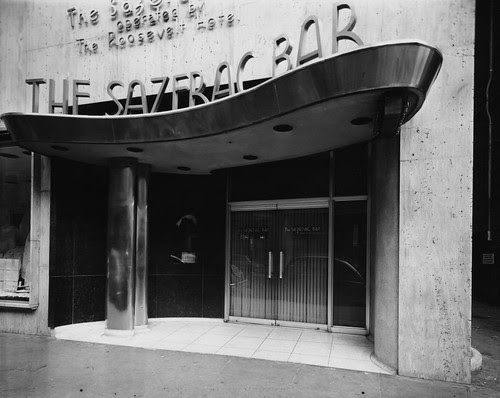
x,y
137,24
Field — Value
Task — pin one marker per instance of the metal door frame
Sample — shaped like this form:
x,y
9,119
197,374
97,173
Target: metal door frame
x,y
310,203
282,204
352,329
273,205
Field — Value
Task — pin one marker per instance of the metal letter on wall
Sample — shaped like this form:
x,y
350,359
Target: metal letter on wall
x,y
218,93
52,103
302,59
143,106
111,86
78,94
284,55
71,13
36,92
197,92
161,92
346,33
241,67
176,88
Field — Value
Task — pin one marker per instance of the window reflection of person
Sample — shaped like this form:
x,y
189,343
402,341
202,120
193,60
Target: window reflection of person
x,y
188,228
187,232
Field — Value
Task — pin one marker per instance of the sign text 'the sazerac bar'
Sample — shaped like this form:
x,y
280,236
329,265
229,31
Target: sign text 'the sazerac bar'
x,y
194,81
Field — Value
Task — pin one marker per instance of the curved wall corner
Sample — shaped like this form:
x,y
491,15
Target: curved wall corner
x,y
384,246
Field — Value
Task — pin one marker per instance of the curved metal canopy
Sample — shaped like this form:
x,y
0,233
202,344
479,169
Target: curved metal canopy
x,y
330,103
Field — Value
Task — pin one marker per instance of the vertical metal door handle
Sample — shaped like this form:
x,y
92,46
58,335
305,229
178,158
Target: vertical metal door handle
x,y
281,264
270,264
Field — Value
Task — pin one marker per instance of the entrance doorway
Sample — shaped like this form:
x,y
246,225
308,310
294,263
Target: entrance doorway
x,y
288,264
297,238
279,263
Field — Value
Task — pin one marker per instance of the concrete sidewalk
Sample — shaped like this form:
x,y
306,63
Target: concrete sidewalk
x,y
33,366
214,336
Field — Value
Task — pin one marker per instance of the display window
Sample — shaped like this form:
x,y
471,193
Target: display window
x,y
15,208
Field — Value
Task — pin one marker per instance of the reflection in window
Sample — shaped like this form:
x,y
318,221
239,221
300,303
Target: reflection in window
x,y
349,266
15,191
351,170
185,239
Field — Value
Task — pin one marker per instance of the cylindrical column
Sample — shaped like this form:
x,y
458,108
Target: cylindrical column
x,y
121,245
141,255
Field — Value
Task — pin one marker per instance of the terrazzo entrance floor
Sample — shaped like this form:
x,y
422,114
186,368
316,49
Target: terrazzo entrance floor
x,y
213,336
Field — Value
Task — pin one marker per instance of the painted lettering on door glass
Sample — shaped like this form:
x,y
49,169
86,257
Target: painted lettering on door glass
x,y
302,229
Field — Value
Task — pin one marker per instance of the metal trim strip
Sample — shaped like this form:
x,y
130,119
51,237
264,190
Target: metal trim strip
x,y
309,203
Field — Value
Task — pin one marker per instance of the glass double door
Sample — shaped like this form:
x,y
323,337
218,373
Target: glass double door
x,y
279,265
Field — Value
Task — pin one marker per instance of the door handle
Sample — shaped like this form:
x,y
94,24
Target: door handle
x,y
282,255
270,264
